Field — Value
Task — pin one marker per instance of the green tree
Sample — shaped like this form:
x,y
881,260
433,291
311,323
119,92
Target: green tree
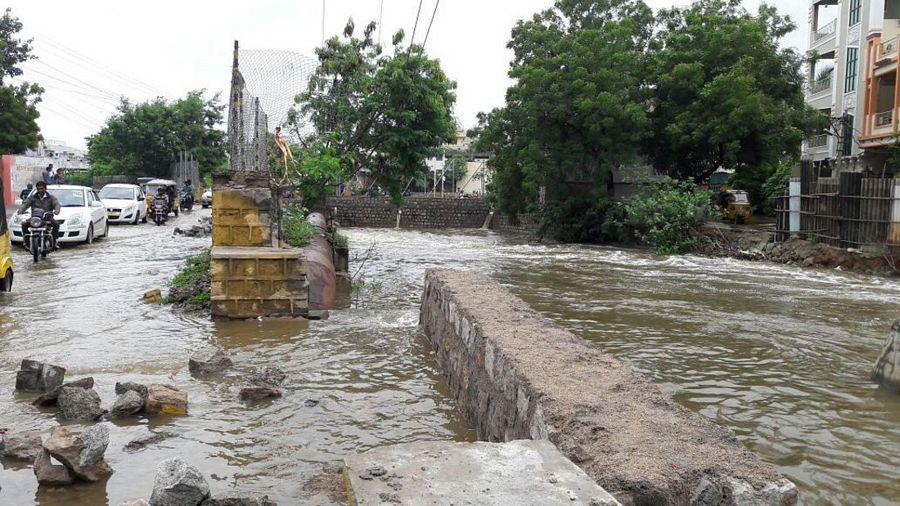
x,y
724,93
145,139
18,104
383,113
576,110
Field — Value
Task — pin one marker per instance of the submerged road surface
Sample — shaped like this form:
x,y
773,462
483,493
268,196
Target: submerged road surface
x,y
779,355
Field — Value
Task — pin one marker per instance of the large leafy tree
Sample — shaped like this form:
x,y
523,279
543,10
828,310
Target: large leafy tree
x,y
145,139
578,105
383,113
724,93
18,104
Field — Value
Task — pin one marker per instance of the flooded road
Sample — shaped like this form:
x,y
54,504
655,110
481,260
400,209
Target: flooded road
x,y
779,355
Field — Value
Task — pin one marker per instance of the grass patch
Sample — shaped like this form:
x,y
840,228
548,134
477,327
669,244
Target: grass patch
x,y
190,288
341,240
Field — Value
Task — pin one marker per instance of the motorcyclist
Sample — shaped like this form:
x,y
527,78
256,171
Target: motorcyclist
x,y
187,193
40,203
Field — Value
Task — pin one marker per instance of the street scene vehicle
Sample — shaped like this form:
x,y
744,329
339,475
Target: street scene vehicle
x,y
125,203
206,199
6,262
160,210
735,206
39,237
186,201
151,188
81,220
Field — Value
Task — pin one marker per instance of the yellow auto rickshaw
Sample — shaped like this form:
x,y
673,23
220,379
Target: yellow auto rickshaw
x,y
152,187
6,263
736,206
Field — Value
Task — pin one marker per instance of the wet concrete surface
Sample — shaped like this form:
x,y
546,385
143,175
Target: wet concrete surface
x,y
780,355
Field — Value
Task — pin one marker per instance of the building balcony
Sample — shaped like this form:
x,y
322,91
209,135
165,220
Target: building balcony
x,y
818,142
821,86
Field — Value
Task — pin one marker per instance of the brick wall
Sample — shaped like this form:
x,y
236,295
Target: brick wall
x,y
416,213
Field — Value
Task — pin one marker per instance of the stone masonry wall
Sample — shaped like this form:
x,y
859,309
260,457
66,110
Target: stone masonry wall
x,y
517,375
416,213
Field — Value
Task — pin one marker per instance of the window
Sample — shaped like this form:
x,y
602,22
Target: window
x,y
847,136
855,10
852,64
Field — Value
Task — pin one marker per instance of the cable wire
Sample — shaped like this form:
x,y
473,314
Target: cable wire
x,y
429,24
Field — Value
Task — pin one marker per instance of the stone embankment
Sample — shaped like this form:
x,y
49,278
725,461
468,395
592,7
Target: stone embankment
x,y
751,243
887,366
517,375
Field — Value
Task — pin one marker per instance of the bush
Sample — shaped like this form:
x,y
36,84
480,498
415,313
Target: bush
x,y
191,286
298,231
661,214
341,240
80,178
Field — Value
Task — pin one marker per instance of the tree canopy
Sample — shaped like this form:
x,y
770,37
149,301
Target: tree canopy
x,y
577,108
146,139
18,104
725,95
369,111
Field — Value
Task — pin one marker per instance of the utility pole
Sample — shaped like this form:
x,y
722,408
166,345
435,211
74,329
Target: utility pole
x,y
323,22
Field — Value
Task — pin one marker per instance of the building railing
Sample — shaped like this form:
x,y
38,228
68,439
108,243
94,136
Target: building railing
x,y
820,85
884,119
825,31
818,141
889,47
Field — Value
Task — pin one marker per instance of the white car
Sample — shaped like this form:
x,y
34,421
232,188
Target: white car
x,y
82,216
206,199
124,203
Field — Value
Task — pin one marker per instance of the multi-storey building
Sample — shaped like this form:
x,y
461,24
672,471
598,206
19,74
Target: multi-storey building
x,y
836,79
852,78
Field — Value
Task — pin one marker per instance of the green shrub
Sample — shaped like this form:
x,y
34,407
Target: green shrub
x,y
190,288
80,178
341,240
298,231
661,214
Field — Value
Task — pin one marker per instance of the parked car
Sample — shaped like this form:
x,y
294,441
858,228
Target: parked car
x,y
206,199
125,203
81,219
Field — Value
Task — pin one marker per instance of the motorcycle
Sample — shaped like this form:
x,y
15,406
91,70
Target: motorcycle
x,y
39,238
160,210
186,202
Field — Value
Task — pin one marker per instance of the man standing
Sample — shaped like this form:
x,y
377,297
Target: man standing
x,y
40,203
60,177
47,175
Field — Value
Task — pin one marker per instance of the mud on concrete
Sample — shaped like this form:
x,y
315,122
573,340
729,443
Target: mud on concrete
x,y
517,375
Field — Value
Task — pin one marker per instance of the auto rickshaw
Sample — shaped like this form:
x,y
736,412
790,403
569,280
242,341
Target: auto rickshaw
x,y
6,263
735,205
151,187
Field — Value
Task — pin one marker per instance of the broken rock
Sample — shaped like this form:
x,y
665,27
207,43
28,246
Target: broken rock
x,y
36,376
127,404
152,296
50,398
239,501
121,388
210,359
48,473
263,384
178,484
79,404
165,399
81,450
25,446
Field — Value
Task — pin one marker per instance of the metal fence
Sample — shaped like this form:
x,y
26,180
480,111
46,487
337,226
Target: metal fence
x,y
186,168
847,209
247,125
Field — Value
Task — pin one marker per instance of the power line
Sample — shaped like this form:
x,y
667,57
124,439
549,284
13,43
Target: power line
x,y
78,86
429,23
416,25
76,79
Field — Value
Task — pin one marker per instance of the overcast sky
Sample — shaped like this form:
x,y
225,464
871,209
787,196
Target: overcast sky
x,y
91,52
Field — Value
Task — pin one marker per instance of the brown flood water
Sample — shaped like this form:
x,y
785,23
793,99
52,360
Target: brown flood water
x,y
779,355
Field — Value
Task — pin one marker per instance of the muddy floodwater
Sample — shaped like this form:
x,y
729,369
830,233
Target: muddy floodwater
x,y
779,355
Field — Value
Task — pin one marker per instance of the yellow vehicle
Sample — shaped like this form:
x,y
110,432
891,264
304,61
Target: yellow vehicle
x,y
6,263
737,206
152,186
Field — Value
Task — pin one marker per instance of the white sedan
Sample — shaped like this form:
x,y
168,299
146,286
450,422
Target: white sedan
x,y
124,203
82,216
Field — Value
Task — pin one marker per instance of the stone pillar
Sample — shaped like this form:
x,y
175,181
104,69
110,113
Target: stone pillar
x,y
887,367
794,205
252,275
894,233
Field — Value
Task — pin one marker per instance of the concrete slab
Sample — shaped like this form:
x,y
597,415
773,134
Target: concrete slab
x,y
523,473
